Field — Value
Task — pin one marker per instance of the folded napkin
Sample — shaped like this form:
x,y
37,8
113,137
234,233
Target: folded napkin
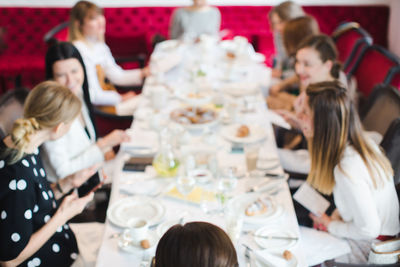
x,y
141,140
196,196
277,119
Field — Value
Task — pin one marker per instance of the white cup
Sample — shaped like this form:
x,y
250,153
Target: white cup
x,y
158,97
137,231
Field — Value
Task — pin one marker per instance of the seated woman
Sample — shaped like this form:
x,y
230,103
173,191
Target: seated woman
x,y
87,28
316,61
191,22
78,149
195,244
278,16
294,32
33,227
348,164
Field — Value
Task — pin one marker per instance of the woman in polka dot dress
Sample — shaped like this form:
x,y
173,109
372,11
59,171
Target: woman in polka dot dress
x,y
33,229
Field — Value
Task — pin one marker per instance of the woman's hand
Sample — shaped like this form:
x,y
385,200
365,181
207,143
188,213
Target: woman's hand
x,y
127,95
145,72
78,178
290,117
109,155
71,206
275,89
321,222
112,139
276,73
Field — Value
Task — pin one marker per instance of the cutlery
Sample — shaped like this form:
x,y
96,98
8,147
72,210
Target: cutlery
x,y
247,255
276,237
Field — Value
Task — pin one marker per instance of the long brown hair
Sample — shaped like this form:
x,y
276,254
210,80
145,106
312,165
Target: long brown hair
x,y
47,105
78,13
296,30
336,125
195,244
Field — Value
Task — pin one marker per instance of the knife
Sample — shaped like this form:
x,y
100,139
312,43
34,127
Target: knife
x,y
276,237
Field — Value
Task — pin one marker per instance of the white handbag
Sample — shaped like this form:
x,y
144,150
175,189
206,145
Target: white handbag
x,y
386,252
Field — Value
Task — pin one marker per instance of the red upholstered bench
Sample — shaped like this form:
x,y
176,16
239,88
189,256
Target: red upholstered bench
x,y
131,29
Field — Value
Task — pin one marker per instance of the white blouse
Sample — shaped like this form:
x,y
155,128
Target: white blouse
x,y
98,53
72,152
367,212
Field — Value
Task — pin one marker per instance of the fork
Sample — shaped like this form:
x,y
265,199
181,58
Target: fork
x,y
247,255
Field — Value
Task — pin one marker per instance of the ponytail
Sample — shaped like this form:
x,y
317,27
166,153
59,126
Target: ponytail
x,y
336,68
47,105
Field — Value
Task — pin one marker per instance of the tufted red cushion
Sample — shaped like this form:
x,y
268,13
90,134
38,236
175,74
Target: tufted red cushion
x,y
131,29
372,68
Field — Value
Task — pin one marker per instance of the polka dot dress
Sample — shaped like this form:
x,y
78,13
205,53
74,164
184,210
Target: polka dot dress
x,y
26,204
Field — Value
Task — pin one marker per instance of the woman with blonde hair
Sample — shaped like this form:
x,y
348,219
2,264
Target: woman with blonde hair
x,y
278,16
33,227
86,32
348,164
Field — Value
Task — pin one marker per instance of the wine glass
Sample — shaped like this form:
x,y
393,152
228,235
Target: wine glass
x,y
227,182
185,184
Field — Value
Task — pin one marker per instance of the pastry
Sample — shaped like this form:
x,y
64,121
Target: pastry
x,y
243,131
287,255
256,208
145,244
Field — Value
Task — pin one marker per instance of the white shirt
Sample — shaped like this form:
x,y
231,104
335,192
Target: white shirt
x,y
98,53
367,212
72,152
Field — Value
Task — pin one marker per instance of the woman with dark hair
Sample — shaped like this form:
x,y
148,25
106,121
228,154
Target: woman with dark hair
x,y
78,149
195,244
348,164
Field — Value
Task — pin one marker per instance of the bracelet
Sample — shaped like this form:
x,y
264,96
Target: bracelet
x,y
59,187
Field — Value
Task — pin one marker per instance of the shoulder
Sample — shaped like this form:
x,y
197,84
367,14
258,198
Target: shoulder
x,y
351,164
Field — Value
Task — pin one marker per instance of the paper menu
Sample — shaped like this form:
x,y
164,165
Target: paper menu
x,y
311,199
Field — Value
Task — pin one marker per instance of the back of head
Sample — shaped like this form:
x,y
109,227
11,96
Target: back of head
x,y
11,108
326,49
287,10
47,105
296,30
77,15
196,244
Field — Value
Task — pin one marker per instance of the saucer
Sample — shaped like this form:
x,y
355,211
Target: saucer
x,y
134,247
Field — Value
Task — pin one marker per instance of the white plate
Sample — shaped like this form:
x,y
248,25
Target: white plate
x,y
136,248
274,244
243,201
202,99
258,262
239,89
141,207
257,133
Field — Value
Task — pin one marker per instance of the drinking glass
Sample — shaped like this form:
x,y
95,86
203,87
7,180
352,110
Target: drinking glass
x,y
185,184
251,152
227,182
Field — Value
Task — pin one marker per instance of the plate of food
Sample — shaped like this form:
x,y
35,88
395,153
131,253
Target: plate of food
x,y
194,118
195,98
275,238
141,207
244,134
137,247
257,208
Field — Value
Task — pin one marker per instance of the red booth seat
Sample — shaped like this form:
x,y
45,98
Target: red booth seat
x,y
131,29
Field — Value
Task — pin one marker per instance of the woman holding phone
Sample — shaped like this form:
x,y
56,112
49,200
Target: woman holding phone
x,y
33,226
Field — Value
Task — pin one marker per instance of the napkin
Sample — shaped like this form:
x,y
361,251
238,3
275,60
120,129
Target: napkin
x,y
141,140
196,196
277,119
271,259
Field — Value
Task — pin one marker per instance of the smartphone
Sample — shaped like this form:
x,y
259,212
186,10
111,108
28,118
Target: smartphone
x,y
136,164
92,184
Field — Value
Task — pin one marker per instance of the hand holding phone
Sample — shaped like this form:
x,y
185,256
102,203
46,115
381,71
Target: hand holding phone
x,y
92,184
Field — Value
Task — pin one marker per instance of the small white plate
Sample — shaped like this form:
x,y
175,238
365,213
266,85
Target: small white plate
x,y
135,247
257,133
243,201
142,207
275,244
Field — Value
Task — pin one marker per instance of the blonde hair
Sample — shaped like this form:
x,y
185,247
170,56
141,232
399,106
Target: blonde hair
x,y
47,105
78,13
336,125
287,10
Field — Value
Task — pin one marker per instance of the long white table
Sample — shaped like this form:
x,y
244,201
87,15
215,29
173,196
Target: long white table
x,y
111,255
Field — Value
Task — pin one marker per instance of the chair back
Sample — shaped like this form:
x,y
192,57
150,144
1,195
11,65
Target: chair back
x,y
391,144
372,67
350,38
393,77
383,106
57,33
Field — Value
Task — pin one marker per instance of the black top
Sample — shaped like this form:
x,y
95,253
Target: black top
x,y
26,204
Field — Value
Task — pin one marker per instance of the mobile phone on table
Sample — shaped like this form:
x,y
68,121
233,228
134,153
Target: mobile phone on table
x,y
137,164
92,184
